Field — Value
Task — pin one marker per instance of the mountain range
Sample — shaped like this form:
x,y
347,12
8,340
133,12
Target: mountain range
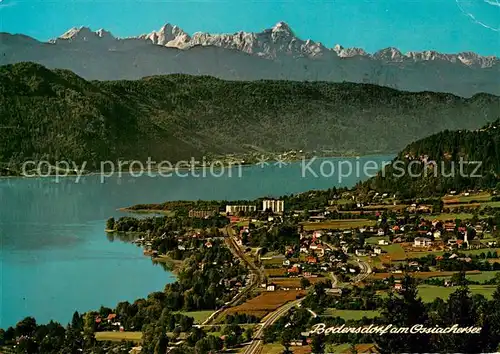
x,y
55,114
273,54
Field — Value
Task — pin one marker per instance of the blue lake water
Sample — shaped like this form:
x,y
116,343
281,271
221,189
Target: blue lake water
x,y
55,257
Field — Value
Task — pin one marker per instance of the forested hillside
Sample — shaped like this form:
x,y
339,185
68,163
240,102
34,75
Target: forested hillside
x,y
58,115
450,160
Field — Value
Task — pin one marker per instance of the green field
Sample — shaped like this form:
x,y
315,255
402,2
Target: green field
x,y
119,336
338,348
199,316
429,292
491,204
373,261
374,240
484,276
417,254
341,224
273,262
449,216
480,197
395,251
485,250
350,314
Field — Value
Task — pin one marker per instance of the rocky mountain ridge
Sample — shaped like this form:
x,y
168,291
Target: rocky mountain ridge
x,y
273,54
278,41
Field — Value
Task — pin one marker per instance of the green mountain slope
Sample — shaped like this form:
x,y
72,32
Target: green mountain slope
x,y
58,115
450,160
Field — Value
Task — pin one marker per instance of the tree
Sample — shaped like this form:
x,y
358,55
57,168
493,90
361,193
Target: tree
x,y
89,329
77,321
248,334
153,339
352,348
27,346
161,343
26,327
318,343
186,323
73,342
202,346
459,310
304,283
216,344
459,279
110,224
195,335
286,339
404,310
230,340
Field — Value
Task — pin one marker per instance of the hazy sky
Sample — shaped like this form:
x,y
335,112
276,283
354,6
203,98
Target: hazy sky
x,y
444,25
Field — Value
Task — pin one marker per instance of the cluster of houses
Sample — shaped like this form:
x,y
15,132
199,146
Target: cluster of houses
x,y
316,258
110,321
456,236
312,245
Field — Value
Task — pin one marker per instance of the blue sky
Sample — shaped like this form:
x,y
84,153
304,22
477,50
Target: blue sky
x,y
445,25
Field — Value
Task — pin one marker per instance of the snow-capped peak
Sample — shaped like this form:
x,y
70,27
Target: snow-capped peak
x,y
85,34
168,35
389,54
77,32
278,41
282,27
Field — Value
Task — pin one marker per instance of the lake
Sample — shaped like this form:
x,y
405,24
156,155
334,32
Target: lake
x,y
55,257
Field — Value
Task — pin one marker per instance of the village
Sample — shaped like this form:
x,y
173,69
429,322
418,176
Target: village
x,y
346,246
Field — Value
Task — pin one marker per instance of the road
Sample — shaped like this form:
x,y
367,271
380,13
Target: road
x,y
255,346
335,280
365,271
256,276
238,252
257,342
363,266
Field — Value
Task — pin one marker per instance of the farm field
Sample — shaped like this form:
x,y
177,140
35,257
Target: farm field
x,y
374,239
275,272
485,250
428,292
199,316
421,275
452,207
273,261
295,282
266,302
449,216
395,251
491,204
345,348
376,262
423,253
338,224
350,314
483,276
276,348
385,207
480,197
119,336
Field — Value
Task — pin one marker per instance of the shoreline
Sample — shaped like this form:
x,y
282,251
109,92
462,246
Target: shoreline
x,y
196,168
143,211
